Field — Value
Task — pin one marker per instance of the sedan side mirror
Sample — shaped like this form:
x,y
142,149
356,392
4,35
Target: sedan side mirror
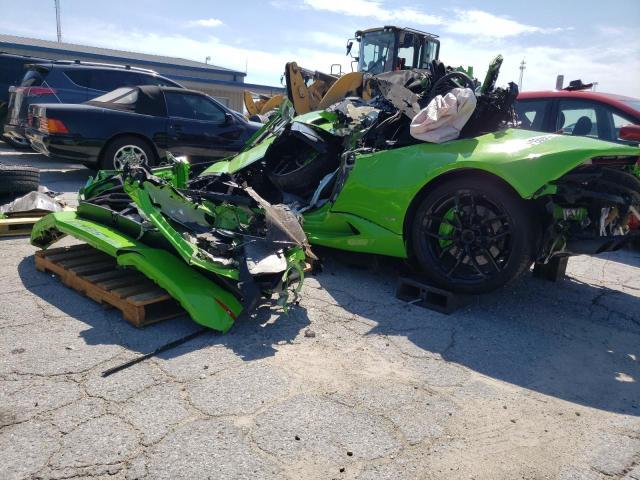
x,y
228,118
630,133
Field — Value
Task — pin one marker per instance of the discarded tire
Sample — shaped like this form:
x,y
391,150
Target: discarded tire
x,y
18,179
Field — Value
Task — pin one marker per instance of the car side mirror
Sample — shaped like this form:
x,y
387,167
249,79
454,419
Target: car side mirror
x,y
630,133
228,118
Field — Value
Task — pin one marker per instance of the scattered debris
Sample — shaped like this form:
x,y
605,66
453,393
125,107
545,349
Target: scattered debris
x,y
309,333
164,348
40,201
18,216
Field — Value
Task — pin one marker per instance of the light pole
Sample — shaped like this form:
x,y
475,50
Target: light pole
x,y
206,60
522,67
58,26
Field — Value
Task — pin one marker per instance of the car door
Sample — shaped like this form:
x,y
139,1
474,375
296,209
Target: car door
x,y
199,127
534,114
614,120
583,118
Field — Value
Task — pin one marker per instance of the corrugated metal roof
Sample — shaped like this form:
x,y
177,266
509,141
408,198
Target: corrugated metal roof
x,y
74,48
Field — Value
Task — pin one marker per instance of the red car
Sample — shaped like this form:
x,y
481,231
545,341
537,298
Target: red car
x,y
581,112
606,116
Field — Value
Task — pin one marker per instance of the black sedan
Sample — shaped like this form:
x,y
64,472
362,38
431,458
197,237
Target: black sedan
x,y
138,125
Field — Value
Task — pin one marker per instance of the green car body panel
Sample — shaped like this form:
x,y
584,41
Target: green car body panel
x,y
206,302
371,211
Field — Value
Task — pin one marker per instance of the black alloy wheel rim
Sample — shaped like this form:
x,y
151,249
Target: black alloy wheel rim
x,y
468,236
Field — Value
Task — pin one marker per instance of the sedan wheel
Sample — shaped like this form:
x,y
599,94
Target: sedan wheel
x,y
129,150
129,154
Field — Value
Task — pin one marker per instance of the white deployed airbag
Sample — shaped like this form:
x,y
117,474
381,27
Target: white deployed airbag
x,y
444,117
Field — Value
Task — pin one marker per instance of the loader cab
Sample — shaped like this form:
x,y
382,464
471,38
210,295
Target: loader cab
x,y
392,48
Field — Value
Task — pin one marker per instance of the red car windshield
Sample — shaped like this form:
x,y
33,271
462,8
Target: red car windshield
x,y
633,103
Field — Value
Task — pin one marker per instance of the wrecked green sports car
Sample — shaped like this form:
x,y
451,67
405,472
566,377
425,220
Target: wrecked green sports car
x,y
471,214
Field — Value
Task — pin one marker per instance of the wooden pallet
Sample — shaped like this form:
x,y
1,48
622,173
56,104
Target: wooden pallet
x,y
10,227
21,223
97,276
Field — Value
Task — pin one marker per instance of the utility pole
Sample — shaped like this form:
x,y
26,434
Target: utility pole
x,y
58,26
522,67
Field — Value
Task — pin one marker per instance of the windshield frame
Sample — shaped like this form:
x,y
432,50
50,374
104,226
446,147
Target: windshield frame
x,y
363,63
633,103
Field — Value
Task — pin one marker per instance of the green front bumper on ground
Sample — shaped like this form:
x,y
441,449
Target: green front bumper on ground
x,y
206,302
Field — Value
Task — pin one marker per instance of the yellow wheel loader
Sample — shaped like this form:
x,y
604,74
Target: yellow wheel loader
x,y
382,49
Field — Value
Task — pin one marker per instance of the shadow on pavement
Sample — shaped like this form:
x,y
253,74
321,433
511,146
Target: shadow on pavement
x,y
570,340
250,339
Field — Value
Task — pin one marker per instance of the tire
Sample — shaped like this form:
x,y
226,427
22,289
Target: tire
x,y
301,179
117,150
18,179
477,252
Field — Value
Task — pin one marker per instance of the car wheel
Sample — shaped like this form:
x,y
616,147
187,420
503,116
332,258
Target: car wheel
x,y
127,150
472,235
18,179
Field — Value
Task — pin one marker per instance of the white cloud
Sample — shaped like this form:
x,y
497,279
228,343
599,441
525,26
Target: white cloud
x,y
327,39
596,63
482,24
206,22
374,9
591,63
476,23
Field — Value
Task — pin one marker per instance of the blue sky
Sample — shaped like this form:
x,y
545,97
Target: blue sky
x,y
592,40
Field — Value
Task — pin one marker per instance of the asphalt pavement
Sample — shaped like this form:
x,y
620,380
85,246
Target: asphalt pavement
x,y
538,380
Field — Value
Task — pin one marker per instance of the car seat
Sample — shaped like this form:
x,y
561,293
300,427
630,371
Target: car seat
x,y
583,126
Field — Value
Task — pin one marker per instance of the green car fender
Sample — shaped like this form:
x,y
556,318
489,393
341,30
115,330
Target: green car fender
x,y
206,302
382,185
